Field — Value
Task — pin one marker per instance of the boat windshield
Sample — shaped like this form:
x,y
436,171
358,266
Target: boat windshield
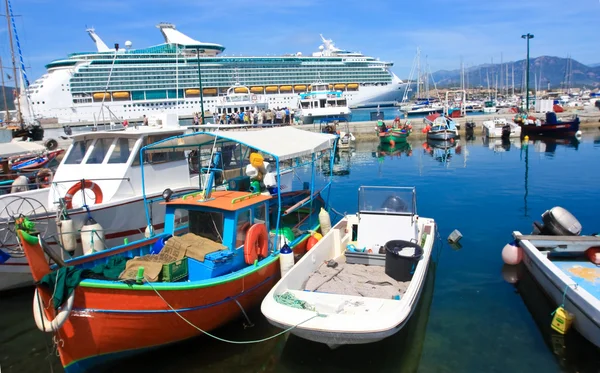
x,y
388,200
206,224
100,151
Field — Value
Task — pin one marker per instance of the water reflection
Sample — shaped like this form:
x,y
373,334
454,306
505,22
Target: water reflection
x,y
442,151
341,163
572,352
540,144
387,150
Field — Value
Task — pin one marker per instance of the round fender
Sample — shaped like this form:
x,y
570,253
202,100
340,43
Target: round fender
x,y
42,322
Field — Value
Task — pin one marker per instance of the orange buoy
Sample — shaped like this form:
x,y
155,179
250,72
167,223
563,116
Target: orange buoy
x,y
312,241
86,184
256,244
392,143
512,254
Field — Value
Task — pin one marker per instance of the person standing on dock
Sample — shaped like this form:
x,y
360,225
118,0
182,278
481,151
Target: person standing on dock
x,y
195,119
145,121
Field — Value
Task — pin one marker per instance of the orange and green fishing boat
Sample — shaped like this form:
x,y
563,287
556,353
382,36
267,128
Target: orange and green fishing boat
x,y
219,253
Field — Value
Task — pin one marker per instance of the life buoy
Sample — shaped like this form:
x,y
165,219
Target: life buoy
x,y
254,98
256,244
87,184
42,322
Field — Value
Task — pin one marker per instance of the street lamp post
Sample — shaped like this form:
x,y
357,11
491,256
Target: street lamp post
x,y
200,86
527,37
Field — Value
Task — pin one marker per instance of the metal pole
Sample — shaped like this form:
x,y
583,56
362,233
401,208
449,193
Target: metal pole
x,y
527,37
14,67
200,85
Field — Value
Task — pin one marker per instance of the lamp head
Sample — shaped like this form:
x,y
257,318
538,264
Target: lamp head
x,y
166,194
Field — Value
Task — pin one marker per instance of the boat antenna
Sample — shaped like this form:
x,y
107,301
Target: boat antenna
x,y
107,84
14,63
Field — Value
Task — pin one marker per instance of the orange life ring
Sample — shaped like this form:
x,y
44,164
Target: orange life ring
x,y
256,244
87,184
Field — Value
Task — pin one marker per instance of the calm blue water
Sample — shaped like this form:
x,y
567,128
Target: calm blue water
x,y
469,318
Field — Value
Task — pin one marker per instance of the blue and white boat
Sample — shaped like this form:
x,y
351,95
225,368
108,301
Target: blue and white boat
x,y
322,102
565,266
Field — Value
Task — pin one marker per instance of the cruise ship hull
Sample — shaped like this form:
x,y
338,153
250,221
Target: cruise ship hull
x,y
116,111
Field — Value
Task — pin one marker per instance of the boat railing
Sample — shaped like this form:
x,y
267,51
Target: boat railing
x,y
93,179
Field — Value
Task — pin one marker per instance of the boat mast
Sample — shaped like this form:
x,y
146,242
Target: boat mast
x,y
513,79
14,65
7,116
418,73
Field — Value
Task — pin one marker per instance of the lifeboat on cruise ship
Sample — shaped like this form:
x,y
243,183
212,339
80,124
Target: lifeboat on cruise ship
x,y
101,95
121,95
240,90
300,88
271,89
339,86
285,88
257,89
331,86
192,92
353,86
210,91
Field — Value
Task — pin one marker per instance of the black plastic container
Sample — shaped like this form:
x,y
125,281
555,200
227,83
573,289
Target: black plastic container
x,y
400,264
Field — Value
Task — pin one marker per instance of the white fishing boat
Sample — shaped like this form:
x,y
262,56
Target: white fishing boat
x,y
99,177
323,103
343,291
566,266
501,127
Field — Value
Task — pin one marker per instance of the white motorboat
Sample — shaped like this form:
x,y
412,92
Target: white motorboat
x,y
99,177
489,107
322,103
501,127
323,295
239,99
566,266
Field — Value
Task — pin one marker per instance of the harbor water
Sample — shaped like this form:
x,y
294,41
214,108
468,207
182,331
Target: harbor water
x,y
469,318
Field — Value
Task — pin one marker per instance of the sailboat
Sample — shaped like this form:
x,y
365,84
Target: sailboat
x,y
31,130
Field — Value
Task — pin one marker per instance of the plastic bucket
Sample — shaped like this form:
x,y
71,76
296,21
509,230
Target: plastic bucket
x,y
401,258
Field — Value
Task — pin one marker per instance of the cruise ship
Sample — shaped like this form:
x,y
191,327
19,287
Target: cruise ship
x,y
127,83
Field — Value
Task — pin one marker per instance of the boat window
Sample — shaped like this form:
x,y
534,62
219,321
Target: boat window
x,y
122,150
243,224
181,219
78,151
258,214
159,157
388,200
99,151
207,224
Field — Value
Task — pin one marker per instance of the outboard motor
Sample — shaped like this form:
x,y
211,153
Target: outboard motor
x,y
394,204
558,222
505,132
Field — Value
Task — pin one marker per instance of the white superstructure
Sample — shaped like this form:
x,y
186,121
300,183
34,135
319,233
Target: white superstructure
x,y
129,83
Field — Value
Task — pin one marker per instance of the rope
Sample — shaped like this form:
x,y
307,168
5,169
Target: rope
x,y
564,296
227,340
290,300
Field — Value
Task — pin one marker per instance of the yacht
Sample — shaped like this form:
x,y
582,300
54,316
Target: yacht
x,y
130,82
322,102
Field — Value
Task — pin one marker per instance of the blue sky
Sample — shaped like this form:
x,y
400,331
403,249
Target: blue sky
x,y
446,30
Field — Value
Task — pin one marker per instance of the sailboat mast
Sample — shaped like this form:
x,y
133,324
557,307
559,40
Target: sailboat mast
x,y
418,73
7,117
14,64
513,79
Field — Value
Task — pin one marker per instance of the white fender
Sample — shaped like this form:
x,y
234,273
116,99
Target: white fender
x,y
59,320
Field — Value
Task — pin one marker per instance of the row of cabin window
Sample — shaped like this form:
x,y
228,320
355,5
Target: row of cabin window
x,y
98,151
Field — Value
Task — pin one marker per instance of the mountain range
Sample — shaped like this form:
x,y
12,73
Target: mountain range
x,y
544,69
